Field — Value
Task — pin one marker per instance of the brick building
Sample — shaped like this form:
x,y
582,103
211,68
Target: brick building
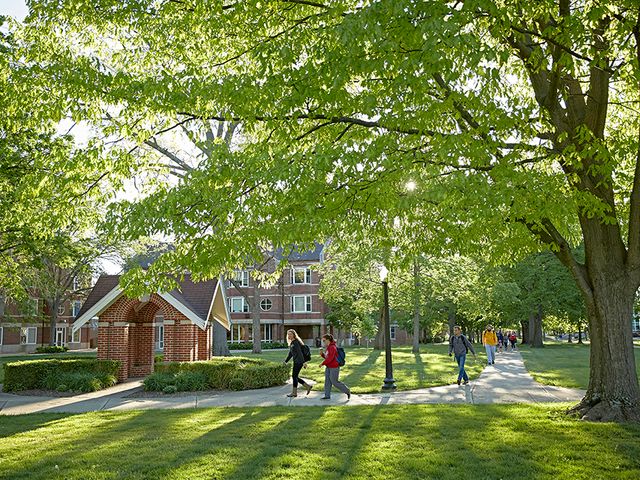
x,y
293,302
176,322
25,327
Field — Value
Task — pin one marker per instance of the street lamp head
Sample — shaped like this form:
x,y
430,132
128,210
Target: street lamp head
x,y
383,273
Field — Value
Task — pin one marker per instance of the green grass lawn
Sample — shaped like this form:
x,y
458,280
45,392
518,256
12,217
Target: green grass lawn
x,y
564,365
365,367
17,358
400,442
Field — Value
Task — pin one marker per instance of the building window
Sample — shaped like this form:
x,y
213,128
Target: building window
x,y
301,303
242,277
28,335
300,275
159,337
635,323
1,333
32,307
240,333
75,284
75,336
266,304
393,331
61,309
267,331
61,336
77,305
238,305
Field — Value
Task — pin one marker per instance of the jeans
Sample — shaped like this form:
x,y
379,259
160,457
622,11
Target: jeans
x,y
296,374
462,374
331,376
491,353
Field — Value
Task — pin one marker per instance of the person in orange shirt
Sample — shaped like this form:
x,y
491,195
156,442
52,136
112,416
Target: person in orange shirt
x,y
490,340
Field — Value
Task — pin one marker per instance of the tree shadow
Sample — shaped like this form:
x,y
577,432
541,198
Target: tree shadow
x,y
358,373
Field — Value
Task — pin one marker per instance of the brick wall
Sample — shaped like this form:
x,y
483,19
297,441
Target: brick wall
x,y
125,333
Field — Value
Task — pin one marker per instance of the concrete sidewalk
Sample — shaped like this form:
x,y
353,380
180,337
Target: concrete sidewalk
x,y
505,382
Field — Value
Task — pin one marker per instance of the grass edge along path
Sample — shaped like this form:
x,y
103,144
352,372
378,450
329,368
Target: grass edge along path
x,y
408,442
561,364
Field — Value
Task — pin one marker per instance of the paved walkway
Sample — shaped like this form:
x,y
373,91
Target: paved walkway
x,y
505,382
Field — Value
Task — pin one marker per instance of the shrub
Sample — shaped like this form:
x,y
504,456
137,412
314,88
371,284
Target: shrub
x,y
52,349
234,373
170,389
158,358
47,373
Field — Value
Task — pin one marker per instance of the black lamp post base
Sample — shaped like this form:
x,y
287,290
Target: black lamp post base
x,y
389,384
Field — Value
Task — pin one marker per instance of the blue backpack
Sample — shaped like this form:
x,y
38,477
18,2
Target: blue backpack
x,y
341,356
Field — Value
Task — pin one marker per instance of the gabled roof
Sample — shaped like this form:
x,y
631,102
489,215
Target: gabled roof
x,y
193,299
313,255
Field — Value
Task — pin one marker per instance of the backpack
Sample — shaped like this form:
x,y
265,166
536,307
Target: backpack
x,y
306,352
463,339
341,356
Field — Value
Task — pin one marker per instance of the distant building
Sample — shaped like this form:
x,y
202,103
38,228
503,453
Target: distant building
x,y
25,327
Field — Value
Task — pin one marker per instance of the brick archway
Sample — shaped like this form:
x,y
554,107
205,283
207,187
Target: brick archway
x,y
126,329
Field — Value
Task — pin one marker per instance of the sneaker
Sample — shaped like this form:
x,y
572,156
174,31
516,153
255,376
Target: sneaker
x,y
493,363
466,382
458,381
325,398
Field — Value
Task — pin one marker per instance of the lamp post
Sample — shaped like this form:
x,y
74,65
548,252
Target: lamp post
x,y
389,382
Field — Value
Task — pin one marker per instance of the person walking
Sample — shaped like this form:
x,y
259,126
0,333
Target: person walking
x,y
332,371
460,346
490,340
500,340
513,339
295,352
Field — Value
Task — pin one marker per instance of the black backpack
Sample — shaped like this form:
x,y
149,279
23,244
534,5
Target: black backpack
x,y
306,352
341,356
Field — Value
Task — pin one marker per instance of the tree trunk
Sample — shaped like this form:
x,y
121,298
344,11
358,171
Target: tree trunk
x,y
255,312
416,308
524,324
535,329
220,345
579,332
613,393
379,341
53,321
451,319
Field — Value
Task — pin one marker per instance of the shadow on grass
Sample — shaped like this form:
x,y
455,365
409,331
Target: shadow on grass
x,y
355,376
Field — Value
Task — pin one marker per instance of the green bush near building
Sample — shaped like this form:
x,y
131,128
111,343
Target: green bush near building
x,y
224,373
69,374
52,349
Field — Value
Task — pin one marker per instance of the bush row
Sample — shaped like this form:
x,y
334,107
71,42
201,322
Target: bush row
x,y
52,349
54,374
224,373
249,345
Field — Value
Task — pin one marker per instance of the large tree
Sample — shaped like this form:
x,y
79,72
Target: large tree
x,y
516,121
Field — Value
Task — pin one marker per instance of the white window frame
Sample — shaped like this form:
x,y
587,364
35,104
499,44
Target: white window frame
x,y
27,330
306,275
76,336
75,308
267,332
1,335
392,331
308,302
242,277
64,336
265,300
75,284
160,337
244,308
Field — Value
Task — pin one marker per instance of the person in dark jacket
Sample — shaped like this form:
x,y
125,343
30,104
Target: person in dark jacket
x,y
332,370
459,346
295,352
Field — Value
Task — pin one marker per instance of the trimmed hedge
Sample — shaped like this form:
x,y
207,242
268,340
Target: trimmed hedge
x,y
249,345
52,349
50,374
224,373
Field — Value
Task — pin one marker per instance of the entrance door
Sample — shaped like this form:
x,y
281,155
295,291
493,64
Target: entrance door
x,y
61,336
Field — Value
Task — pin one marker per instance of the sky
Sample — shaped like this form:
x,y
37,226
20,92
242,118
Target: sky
x,y
13,8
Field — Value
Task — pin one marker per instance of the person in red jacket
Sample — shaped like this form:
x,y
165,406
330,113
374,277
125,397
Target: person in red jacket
x,y
332,371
